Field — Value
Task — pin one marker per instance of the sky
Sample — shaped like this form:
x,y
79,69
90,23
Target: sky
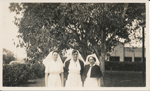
x,y
9,31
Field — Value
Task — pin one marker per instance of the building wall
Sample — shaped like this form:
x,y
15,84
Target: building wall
x,y
121,51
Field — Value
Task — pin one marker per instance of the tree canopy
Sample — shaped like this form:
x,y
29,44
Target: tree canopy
x,y
82,26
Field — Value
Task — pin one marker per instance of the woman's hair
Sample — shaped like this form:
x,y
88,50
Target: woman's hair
x,y
93,58
74,51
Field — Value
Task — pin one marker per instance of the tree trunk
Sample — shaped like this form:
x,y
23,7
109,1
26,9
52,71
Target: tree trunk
x,y
96,47
102,57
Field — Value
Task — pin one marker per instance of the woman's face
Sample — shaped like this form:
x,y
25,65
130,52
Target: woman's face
x,y
75,55
55,55
91,60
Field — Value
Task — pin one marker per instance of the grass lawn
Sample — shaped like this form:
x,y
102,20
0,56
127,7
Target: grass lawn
x,y
123,79
40,82
114,79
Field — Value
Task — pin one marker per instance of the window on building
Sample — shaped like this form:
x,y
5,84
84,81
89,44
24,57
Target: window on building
x,y
128,59
137,59
142,60
115,59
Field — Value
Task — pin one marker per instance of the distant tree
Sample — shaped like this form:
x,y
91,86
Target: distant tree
x,y
8,56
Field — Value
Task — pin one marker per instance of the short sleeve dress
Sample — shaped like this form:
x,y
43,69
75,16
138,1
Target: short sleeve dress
x,y
74,77
54,69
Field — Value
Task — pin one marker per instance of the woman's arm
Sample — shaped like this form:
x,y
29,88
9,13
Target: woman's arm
x,y
99,81
46,79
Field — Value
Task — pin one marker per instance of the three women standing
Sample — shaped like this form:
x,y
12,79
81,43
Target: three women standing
x,y
75,73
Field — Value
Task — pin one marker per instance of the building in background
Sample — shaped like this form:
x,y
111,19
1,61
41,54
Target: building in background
x,y
122,54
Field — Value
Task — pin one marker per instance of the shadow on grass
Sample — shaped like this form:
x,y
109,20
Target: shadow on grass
x,y
39,82
30,82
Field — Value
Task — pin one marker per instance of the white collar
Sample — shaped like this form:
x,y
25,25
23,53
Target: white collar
x,y
93,65
73,61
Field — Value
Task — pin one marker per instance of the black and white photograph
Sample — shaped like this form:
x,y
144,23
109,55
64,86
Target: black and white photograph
x,y
74,44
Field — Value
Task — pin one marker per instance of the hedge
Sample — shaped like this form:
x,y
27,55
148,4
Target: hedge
x,y
38,70
19,73
123,66
15,74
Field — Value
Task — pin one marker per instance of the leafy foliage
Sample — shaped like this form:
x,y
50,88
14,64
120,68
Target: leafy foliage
x,y
15,74
82,26
20,73
8,56
38,70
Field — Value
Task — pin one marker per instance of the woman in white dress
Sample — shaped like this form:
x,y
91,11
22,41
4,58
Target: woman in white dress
x,y
73,68
53,70
92,72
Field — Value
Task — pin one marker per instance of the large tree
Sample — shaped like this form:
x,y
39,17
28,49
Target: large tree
x,y
88,27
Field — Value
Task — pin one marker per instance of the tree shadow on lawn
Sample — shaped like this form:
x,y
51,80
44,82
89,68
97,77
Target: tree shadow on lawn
x,y
123,79
29,82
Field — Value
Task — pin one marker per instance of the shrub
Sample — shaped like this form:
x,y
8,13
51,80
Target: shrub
x,y
19,73
38,69
32,75
123,66
15,74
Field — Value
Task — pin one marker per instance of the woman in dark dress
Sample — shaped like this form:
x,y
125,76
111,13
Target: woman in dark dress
x,y
92,72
